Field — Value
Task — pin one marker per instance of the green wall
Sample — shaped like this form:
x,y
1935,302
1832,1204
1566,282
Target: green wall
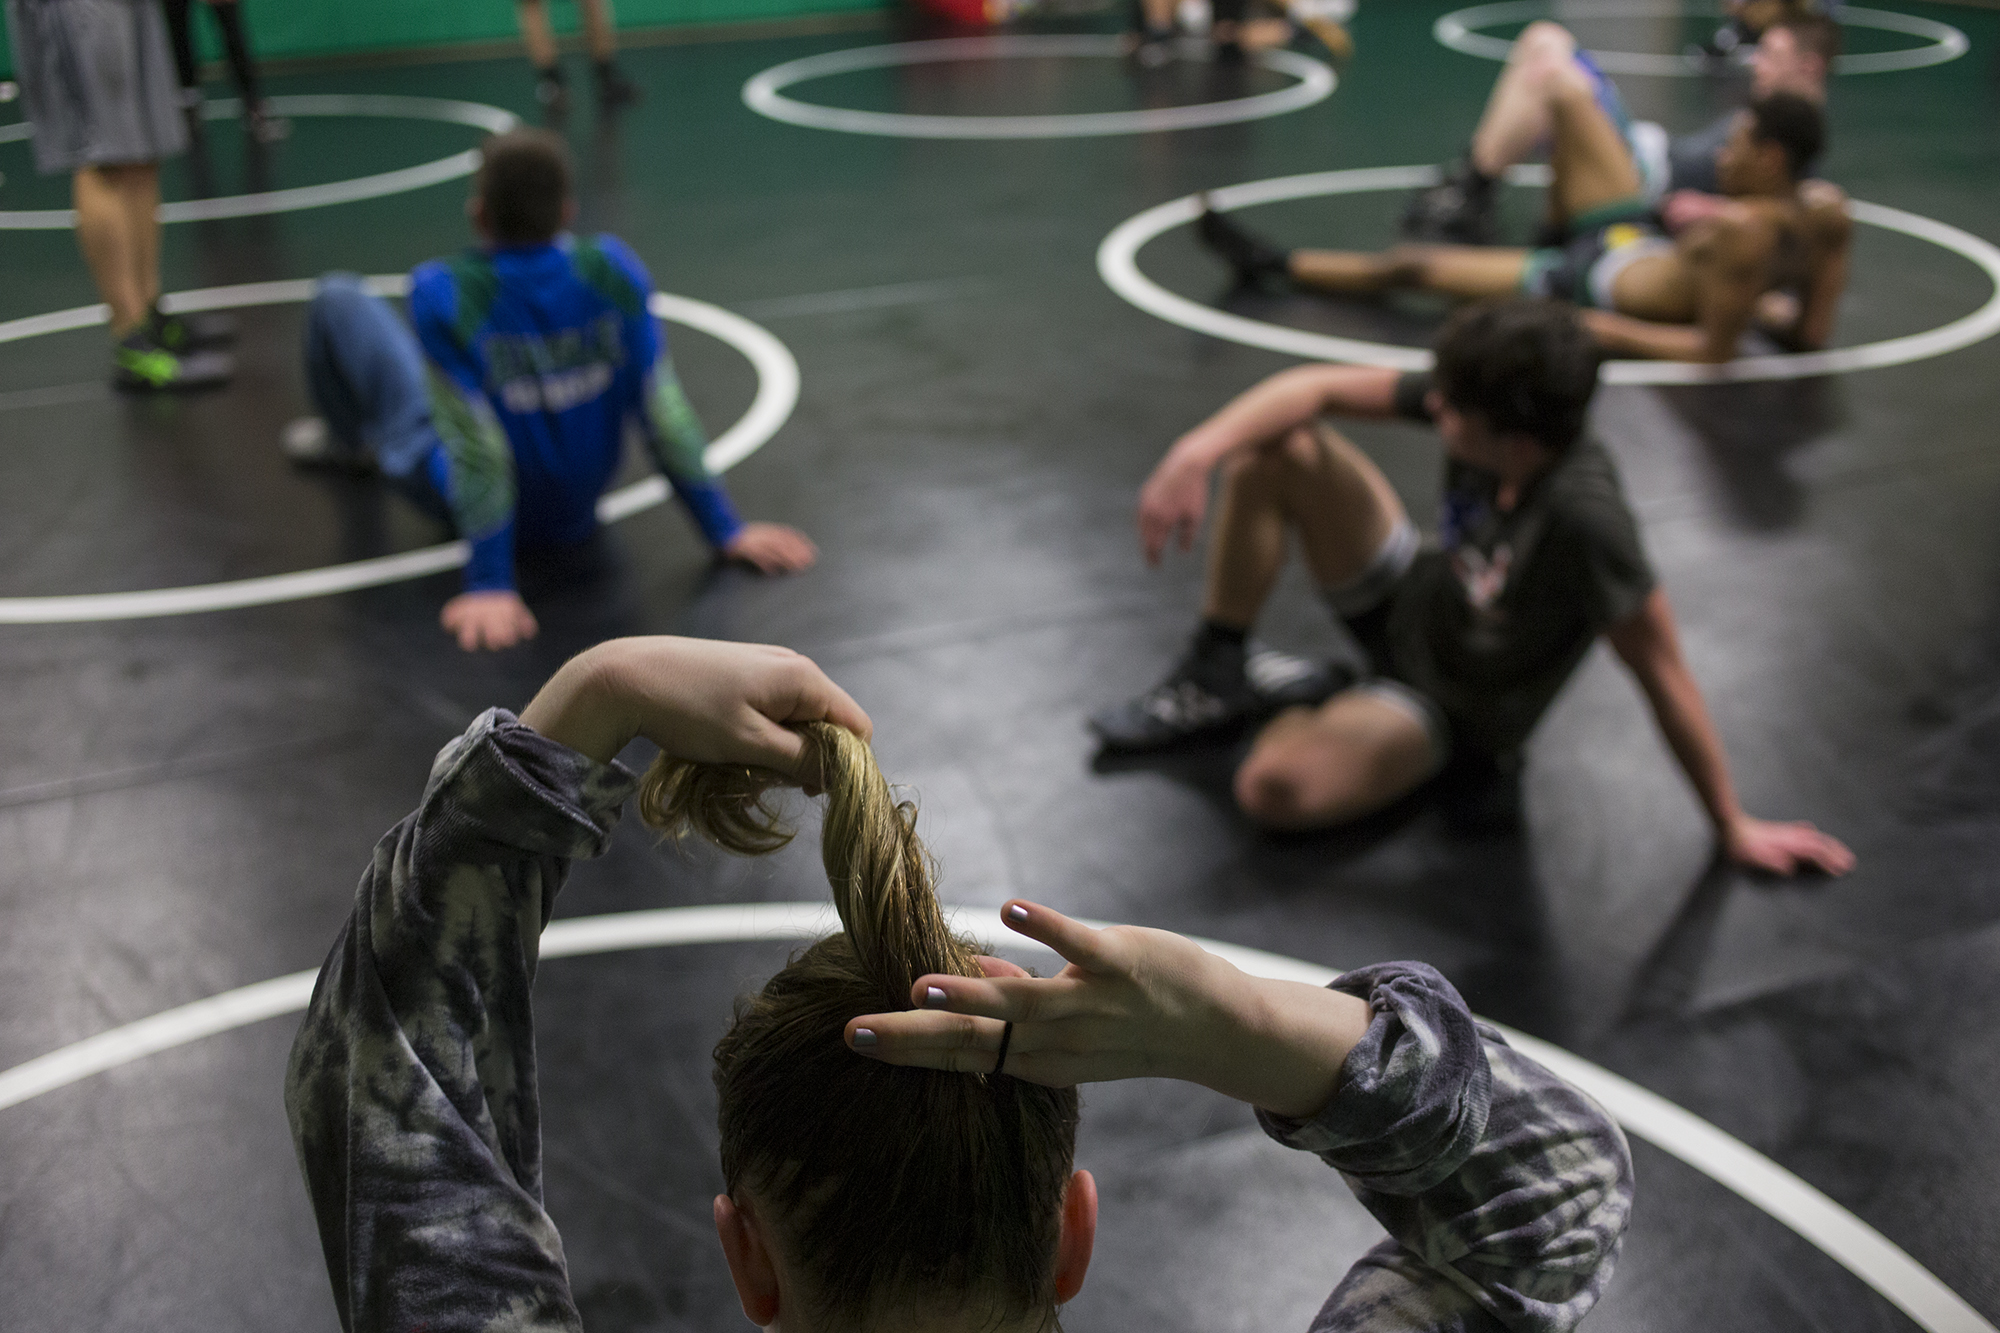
x,y
331,27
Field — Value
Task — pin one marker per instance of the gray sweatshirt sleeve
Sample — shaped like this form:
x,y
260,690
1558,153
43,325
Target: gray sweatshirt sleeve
x,y
1505,1191
411,1088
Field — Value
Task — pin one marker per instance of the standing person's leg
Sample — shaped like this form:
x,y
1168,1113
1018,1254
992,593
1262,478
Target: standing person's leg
x,y
105,232
263,127
540,39
181,36
601,35
139,195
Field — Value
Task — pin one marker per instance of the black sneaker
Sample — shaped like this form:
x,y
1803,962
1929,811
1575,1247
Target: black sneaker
x,y
1152,48
551,92
141,365
613,88
1283,680
190,330
1211,694
1254,260
1458,210
265,128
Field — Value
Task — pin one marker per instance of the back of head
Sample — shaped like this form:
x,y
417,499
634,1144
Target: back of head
x,y
1816,35
896,1191
1525,366
1794,123
523,186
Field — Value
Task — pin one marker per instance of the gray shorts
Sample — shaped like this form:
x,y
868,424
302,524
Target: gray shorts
x,y
97,82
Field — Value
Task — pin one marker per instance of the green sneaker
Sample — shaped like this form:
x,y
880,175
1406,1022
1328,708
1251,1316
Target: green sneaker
x,y
141,365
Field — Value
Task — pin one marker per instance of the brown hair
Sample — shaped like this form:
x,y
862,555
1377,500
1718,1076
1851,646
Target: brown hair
x,y
894,1189
1525,365
523,183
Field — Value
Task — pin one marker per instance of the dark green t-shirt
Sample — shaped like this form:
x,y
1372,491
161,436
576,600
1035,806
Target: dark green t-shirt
x,y
1496,615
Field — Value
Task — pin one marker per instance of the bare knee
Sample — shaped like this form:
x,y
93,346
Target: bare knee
x,y
1543,44
1276,460
1280,790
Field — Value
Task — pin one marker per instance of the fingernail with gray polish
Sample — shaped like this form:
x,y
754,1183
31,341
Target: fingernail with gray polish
x,y
934,998
863,1037
1017,913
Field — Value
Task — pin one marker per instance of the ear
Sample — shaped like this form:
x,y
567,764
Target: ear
x,y
569,213
475,213
750,1262
1078,1235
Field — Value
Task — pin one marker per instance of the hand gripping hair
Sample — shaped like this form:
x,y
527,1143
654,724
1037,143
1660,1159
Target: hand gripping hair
x,y
897,1191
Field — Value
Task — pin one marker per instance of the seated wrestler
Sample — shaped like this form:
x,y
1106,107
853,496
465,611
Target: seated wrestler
x,y
1466,640
1794,55
1235,30
505,415
897,1114
1772,254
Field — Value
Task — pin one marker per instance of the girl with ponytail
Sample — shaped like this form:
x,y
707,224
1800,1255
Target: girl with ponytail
x,y
897,1111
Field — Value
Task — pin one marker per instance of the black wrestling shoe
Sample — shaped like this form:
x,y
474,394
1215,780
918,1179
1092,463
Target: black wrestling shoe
x,y
1213,692
551,90
1458,210
265,128
1253,260
613,88
190,330
1152,48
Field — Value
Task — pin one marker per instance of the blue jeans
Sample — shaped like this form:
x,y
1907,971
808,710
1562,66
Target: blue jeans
x,y
365,372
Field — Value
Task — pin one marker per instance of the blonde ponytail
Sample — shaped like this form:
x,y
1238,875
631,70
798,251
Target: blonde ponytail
x,y
884,880
899,1189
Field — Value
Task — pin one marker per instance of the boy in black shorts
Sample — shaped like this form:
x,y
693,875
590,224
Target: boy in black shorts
x,y
1467,640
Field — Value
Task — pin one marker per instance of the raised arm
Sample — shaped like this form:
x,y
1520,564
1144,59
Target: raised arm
x,y
1649,644
411,1087
1505,1190
1174,499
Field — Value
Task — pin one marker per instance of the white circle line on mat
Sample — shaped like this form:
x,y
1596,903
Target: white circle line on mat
x,y
1118,265
764,92
478,115
777,394
1459,31
1837,1232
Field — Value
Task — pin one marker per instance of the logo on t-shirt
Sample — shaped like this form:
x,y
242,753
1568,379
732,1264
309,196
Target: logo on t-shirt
x,y
556,371
1484,577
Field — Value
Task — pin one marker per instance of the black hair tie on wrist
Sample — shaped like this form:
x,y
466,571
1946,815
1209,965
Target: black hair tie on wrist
x,y
1006,1035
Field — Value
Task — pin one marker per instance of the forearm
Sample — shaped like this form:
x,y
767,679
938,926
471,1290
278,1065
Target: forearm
x,y
1283,1043
411,1087
1283,402
678,443
1690,733
581,706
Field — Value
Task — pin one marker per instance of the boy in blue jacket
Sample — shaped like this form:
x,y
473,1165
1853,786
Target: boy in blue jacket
x,y
505,415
